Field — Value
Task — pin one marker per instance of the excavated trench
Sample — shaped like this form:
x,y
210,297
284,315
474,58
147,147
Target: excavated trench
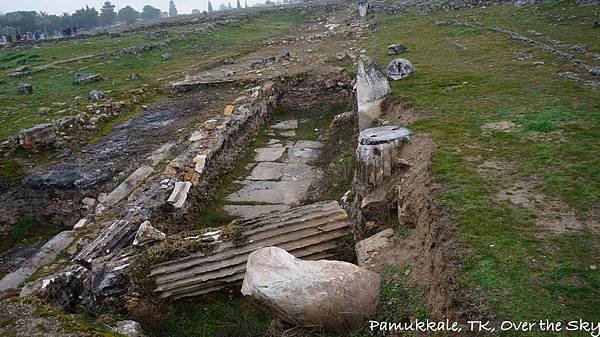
x,y
265,172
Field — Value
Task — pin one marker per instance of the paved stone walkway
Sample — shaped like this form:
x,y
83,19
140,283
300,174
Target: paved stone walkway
x,y
282,176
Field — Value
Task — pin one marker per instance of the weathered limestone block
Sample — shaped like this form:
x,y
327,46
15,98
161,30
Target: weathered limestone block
x,y
369,250
362,8
376,152
86,78
179,194
326,294
146,234
399,69
372,88
25,89
47,254
37,138
396,48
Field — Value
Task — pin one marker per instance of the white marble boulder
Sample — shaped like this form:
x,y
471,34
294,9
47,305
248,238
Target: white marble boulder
x,y
318,294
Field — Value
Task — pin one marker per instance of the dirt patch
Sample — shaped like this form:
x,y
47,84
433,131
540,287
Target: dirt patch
x,y
551,214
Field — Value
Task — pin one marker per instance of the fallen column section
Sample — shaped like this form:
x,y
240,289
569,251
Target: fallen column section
x,y
310,232
376,152
372,88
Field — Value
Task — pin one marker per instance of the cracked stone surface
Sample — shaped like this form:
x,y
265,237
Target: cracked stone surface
x,y
302,154
286,125
251,211
274,192
268,153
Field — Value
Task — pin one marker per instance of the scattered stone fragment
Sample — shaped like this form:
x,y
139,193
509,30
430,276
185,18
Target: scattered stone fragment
x,y
128,328
43,111
134,77
308,293
596,24
538,63
179,194
86,78
395,49
89,202
25,89
21,69
81,223
146,233
37,138
399,69
96,95
368,251
499,126
165,56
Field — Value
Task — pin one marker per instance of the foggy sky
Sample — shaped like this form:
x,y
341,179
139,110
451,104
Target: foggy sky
x,y
60,6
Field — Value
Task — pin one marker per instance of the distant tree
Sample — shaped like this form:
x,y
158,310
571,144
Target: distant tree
x,y
229,5
149,12
172,9
85,18
107,14
128,14
222,7
210,9
245,4
239,6
43,20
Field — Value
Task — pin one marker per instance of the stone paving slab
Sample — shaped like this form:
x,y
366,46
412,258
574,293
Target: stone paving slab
x,y
302,154
286,125
266,171
289,134
309,143
251,211
269,154
286,192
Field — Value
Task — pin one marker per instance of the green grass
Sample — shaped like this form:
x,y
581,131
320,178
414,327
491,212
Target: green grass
x,y
466,78
220,314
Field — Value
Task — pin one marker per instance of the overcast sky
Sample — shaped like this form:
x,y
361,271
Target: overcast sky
x,y
60,6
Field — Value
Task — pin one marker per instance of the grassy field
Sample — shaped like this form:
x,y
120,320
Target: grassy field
x,y
518,266
54,86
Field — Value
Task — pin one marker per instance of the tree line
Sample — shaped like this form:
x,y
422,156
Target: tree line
x,y
21,22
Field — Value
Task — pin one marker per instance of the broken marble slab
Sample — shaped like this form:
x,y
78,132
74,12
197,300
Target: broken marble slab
x,y
251,211
302,154
46,255
269,154
179,194
266,171
287,192
127,186
286,125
